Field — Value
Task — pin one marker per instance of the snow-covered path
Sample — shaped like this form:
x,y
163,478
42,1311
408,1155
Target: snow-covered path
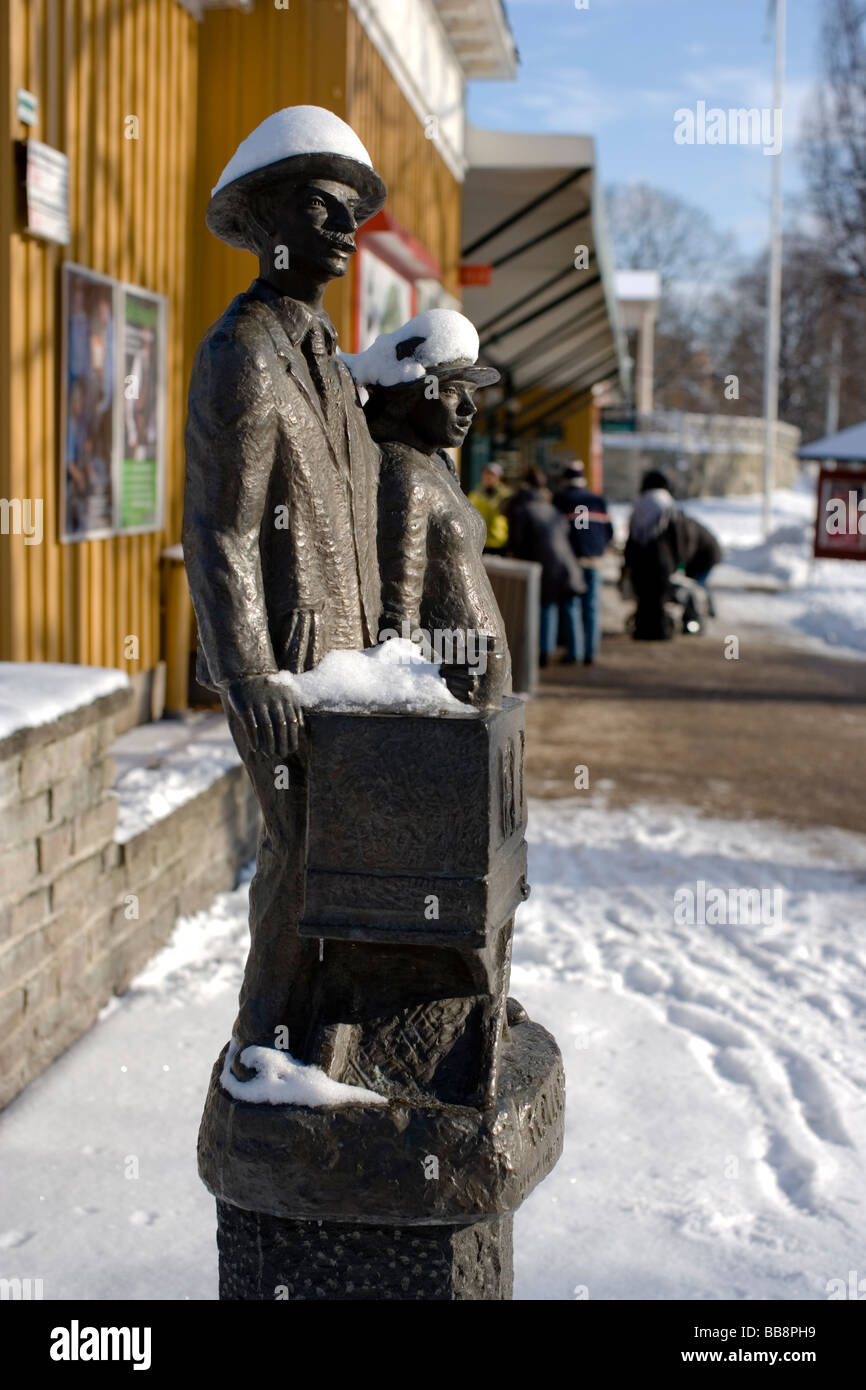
x,y
717,1077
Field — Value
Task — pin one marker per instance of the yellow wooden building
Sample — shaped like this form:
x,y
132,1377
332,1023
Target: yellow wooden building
x,y
148,99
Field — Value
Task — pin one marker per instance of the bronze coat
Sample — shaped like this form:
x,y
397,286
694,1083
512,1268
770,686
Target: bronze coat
x,y
279,531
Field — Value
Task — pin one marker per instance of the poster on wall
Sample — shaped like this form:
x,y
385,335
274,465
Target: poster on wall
x,y
141,471
89,423
385,298
113,417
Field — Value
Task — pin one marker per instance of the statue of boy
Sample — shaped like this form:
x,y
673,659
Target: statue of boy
x,y
422,380
279,530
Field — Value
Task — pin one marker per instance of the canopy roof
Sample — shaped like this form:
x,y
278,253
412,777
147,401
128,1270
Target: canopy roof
x,y
530,202
848,446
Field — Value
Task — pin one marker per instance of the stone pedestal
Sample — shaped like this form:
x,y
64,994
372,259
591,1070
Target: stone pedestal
x,y
262,1258
412,1199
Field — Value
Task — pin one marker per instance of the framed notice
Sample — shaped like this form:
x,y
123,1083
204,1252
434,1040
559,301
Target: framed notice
x,y
840,524
88,436
385,299
141,472
113,407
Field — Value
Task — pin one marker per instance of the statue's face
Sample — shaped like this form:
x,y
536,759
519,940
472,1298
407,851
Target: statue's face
x,y
316,222
444,421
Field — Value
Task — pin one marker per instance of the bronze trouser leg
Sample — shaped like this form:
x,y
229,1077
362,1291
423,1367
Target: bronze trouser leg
x,y
281,967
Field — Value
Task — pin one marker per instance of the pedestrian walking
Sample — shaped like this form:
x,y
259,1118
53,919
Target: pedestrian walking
x,y
590,532
489,498
538,532
652,553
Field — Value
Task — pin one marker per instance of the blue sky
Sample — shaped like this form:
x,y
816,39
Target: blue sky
x,y
620,69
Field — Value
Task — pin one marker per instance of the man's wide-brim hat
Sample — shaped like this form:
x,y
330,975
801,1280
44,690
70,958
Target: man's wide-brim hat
x,y
296,144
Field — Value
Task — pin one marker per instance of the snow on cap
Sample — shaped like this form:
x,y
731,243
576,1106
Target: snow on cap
x,y
306,140
438,341
292,131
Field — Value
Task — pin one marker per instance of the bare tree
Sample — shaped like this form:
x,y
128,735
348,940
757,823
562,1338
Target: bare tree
x,y
835,139
654,230
815,309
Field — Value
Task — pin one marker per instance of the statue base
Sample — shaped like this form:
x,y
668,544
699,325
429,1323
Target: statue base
x,y
397,1201
263,1257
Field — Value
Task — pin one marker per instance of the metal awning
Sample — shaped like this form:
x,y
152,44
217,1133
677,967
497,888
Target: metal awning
x,y
848,446
480,35
552,329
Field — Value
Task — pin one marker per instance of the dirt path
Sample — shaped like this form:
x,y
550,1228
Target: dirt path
x,y
777,733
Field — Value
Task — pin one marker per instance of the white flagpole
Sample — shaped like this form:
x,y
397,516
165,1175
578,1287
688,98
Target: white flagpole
x,y
774,286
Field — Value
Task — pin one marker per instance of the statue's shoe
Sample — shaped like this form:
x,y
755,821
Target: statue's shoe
x,y
515,1013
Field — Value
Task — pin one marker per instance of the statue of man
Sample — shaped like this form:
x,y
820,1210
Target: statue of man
x,y
279,529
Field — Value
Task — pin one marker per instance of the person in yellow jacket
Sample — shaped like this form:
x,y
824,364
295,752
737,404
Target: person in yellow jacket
x,y
488,498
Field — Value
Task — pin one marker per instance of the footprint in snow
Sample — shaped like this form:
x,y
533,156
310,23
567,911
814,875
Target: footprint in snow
x,y
143,1218
707,1025
816,1103
644,978
11,1240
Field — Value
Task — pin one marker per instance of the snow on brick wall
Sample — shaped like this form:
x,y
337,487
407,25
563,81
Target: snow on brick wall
x,y
81,912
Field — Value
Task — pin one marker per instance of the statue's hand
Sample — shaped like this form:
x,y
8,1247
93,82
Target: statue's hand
x,y
269,712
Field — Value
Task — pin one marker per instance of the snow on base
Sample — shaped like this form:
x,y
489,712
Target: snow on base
x,y
36,692
281,1080
388,679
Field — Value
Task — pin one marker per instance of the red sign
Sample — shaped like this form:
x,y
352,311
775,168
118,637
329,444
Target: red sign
x,y
840,526
475,274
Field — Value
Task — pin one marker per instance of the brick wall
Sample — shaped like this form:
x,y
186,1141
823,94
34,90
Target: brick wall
x,y
80,914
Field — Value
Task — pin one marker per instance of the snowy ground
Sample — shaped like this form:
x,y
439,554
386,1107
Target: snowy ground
x,y
717,1074
819,605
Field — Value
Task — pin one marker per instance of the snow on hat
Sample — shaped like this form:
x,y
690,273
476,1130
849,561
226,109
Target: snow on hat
x,y
301,142
439,342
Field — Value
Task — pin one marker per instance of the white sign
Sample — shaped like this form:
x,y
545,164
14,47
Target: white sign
x,y
47,192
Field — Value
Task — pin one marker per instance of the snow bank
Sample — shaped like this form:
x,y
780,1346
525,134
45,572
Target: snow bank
x,y
282,1080
36,692
389,679
161,766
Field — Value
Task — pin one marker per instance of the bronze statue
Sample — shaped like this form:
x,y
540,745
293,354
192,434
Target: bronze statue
x,y
279,529
390,867
422,380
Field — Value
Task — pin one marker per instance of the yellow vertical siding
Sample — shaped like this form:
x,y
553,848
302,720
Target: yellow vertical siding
x,y
90,64
137,214
315,52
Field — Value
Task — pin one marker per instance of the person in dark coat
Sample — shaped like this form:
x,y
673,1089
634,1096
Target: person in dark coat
x,y
700,552
652,554
537,531
590,532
